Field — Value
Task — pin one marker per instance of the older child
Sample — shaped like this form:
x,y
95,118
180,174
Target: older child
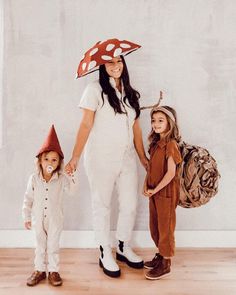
x,y
43,208
162,187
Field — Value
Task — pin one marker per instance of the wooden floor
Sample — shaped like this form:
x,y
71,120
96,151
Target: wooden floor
x,y
194,271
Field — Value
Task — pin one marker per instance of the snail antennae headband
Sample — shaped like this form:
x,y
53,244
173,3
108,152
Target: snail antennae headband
x,y
163,110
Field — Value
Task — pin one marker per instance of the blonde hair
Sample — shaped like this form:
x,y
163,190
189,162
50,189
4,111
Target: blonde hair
x,y
172,133
38,166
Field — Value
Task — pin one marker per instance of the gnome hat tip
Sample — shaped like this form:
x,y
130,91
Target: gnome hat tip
x,y
51,143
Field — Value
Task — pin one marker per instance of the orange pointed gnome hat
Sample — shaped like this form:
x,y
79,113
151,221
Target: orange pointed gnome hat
x,y
51,143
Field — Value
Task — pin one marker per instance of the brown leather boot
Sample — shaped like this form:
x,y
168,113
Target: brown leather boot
x,y
154,262
54,279
36,277
162,270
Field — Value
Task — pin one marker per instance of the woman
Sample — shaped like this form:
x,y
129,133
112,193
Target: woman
x,y
110,129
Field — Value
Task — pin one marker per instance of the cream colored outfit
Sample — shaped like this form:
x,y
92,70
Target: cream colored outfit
x,y
43,204
110,160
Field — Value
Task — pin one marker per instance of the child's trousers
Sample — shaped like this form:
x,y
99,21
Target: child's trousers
x,y
47,245
162,223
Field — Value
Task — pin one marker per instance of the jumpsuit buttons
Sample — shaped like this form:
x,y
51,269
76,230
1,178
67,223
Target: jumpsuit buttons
x,y
52,232
46,198
127,214
41,235
43,204
47,237
127,195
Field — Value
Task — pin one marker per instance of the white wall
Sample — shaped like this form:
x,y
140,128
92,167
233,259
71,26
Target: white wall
x,y
188,51
1,66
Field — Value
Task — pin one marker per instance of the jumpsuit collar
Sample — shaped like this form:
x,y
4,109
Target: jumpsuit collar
x,y
113,84
54,177
162,142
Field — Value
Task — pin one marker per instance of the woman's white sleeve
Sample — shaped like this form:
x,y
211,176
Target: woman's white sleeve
x,y
90,97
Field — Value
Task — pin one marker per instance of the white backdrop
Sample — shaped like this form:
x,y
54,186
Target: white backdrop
x,y
188,52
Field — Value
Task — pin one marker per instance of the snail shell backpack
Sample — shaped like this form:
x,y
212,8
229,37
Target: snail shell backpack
x,y
199,176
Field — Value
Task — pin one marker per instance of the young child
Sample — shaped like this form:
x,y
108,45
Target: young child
x,y
161,185
43,208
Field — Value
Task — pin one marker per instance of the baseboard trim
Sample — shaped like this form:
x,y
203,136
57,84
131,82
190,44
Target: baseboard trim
x,y
142,239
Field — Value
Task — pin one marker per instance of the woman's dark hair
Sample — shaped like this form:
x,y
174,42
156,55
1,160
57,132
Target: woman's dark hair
x,y
131,94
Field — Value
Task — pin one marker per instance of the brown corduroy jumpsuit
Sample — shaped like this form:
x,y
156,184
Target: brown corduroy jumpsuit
x,y
163,204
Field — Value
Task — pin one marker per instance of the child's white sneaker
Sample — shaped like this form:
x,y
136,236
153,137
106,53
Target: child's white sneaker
x,y
126,254
107,262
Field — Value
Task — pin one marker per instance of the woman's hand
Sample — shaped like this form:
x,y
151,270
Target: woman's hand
x,y
28,224
145,162
71,166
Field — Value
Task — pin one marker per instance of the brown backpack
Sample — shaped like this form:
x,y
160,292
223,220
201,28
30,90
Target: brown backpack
x,y
199,176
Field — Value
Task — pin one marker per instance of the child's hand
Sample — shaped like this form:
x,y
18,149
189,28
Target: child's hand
x,y
150,193
145,190
28,224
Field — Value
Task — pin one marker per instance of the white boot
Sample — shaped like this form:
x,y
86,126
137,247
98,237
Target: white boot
x,y
126,254
107,262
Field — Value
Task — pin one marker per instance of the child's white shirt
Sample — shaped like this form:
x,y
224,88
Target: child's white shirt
x,y
45,199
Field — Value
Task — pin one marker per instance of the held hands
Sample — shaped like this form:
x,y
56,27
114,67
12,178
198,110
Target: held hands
x,y
148,192
28,225
71,166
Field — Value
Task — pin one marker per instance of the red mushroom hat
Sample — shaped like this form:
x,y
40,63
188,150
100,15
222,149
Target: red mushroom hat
x,y
102,52
51,143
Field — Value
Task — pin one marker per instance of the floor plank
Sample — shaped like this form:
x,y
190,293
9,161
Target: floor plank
x,y
194,271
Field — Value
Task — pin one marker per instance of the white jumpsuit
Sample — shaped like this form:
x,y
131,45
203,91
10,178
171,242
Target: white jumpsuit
x,y
110,159
43,204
